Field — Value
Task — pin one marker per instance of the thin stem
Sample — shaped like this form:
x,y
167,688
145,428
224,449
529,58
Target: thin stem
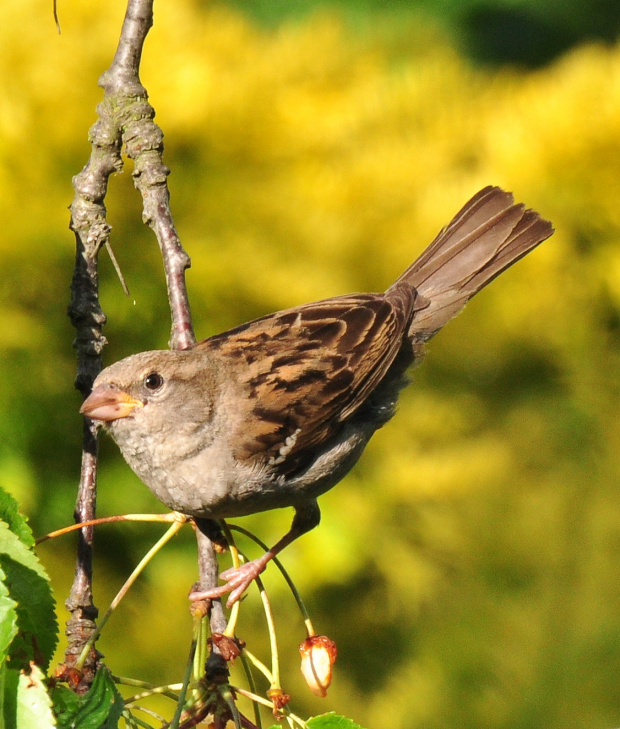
x,y
117,268
166,518
259,664
170,691
285,574
273,642
200,656
133,721
236,560
177,526
226,694
186,681
293,718
254,697
250,678
128,681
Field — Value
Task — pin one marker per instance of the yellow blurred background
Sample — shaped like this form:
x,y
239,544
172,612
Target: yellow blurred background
x,y
468,568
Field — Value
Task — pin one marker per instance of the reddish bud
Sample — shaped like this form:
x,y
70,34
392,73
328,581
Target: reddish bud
x,y
279,700
318,654
229,648
70,675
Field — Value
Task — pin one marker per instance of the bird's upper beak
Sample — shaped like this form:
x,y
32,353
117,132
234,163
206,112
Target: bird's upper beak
x,y
108,403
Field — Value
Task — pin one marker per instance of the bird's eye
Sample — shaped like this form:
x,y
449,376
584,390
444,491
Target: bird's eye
x,y
153,381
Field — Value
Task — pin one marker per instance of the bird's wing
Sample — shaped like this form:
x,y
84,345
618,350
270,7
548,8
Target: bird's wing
x,y
306,370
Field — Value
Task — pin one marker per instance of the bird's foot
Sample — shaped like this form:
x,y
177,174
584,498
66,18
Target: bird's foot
x,y
238,579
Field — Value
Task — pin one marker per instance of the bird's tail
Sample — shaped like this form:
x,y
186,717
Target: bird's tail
x,y
487,236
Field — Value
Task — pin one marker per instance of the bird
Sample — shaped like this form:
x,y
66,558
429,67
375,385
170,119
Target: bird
x,y
275,412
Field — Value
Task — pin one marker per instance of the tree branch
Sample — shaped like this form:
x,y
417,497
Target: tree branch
x,y
143,141
88,222
125,118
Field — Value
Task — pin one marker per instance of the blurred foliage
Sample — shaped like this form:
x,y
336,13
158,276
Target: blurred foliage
x,y
523,32
468,567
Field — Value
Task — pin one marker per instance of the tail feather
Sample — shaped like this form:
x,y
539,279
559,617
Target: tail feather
x,y
485,237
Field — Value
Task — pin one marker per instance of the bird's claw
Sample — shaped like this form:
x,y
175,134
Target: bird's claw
x,y
238,579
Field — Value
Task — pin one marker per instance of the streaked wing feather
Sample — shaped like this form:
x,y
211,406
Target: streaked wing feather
x,y
308,369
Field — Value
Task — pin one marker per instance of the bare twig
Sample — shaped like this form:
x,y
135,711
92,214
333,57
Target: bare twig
x,y
208,568
143,141
56,18
88,221
125,117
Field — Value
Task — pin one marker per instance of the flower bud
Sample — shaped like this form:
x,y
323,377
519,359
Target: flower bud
x,y
279,700
318,654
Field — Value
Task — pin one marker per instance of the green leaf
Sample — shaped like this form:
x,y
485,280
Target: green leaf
x,y
18,524
332,721
100,708
34,706
8,702
66,705
28,585
328,721
8,618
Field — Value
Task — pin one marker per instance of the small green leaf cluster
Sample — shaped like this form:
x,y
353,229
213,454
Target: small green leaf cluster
x,y
28,626
28,638
100,708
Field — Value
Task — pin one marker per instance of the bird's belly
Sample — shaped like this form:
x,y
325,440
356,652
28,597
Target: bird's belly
x,y
213,484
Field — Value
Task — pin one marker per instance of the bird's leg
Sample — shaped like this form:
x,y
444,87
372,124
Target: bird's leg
x,y
239,579
213,532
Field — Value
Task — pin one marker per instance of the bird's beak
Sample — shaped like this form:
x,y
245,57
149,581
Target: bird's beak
x,y
107,403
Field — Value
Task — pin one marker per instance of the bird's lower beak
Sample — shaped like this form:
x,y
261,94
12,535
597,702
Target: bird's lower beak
x,y
107,403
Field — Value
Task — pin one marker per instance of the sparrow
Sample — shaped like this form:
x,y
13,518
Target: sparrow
x,y
275,412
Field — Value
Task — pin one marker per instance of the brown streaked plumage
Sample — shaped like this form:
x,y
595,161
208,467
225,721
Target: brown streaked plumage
x,y
310,368
275,412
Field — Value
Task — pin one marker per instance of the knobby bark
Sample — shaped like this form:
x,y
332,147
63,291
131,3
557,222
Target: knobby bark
x,y
124,120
